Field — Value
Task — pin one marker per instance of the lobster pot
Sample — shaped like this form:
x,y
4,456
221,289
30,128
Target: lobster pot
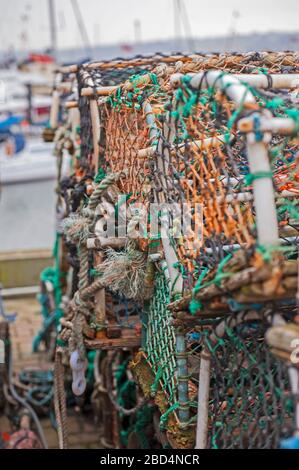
x,y
250,404
84,161
130,126
181,222
241,172
207,178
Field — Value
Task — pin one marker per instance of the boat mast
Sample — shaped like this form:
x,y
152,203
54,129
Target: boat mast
x,y
177,21
51,6
181,18
81,26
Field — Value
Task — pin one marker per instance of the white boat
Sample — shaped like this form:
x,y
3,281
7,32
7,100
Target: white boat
x,y
35,163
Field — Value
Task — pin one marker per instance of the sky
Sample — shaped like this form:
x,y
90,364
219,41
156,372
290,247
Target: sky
x,y
24,24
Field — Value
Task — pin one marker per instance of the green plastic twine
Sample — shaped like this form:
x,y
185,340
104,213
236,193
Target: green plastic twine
x,y
100,176
250,177
164,417
155,385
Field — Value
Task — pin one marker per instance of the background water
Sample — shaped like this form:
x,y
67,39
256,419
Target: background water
x,y
27,215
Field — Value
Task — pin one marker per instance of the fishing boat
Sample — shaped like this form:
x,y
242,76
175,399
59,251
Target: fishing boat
x,y
23,156
25,94
35,163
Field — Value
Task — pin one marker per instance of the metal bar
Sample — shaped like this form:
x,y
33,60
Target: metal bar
x,y
95,122
273,81
20,291
275,125
101,91
182,376
203,400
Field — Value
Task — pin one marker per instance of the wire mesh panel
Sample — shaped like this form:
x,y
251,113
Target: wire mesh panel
x,y
84,162
250,403
160,340
121,310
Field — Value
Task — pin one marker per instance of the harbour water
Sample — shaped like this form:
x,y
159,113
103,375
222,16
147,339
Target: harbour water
x,y
27,215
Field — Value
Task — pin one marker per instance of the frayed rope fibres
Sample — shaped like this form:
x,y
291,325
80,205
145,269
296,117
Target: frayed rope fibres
x,y
124,272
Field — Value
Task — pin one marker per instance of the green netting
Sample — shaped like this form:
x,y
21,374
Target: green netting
x,y
250,404
160,339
